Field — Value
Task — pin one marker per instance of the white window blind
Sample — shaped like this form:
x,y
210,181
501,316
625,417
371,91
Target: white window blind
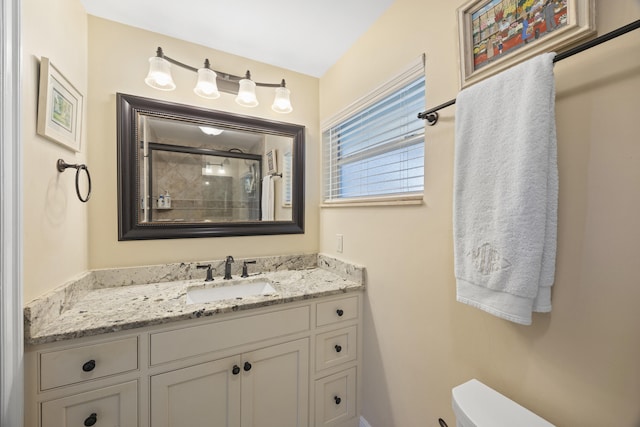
x,y
375,147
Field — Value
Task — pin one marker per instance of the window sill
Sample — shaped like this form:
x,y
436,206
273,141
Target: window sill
x,y
417,199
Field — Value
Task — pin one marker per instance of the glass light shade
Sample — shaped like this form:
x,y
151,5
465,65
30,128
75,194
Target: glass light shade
x,y
210,131
281,103
207,86
159,76
247,93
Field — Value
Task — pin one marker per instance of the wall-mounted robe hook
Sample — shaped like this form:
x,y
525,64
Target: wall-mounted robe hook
x,y
62,166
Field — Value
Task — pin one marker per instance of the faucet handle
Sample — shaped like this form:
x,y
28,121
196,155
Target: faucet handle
x,y
229,259
209,271
244,268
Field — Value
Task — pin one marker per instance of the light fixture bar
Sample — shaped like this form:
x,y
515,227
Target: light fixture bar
x,y
221,74
211,82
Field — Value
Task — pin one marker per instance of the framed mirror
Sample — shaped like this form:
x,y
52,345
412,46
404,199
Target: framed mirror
x,y
186,171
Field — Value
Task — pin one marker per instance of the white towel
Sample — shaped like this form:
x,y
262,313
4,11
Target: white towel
x,y
267,198
506,191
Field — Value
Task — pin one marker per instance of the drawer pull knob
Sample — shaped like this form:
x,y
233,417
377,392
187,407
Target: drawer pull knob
x,y
235,370
247,366
91,420
337,399
338,348
340,312
88,367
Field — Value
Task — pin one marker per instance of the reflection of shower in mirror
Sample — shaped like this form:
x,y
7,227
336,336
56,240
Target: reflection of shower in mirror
x,y
250,180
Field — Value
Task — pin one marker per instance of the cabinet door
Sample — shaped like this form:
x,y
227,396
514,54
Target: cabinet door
x,y
275,387
197,396
106,407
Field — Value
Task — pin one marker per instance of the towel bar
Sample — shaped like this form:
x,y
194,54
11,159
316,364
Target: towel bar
x,y
431,115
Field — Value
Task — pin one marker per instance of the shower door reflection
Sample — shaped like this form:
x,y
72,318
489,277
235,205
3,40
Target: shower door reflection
x,y
185,184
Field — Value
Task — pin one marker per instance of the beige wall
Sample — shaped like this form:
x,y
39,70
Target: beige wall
x,y
55,221
118,58
577,366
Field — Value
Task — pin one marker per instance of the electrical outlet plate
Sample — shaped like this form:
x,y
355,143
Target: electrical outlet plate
x,y
339,243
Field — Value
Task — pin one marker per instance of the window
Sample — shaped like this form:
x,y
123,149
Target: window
x,y
375,148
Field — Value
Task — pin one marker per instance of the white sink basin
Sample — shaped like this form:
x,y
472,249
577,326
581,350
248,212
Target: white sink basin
x,y
200,295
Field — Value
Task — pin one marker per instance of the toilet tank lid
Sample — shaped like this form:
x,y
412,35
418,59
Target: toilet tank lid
x,y
477,405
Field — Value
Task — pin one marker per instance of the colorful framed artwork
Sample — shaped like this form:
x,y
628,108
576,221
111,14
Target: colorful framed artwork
x,y
496,34
60,107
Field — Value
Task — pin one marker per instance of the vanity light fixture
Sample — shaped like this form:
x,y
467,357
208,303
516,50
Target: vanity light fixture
x,y
210,83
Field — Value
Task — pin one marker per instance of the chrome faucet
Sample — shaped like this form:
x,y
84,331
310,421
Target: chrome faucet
x,y
227,268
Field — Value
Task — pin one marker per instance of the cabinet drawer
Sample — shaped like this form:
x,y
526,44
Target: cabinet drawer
x,y
201,339
336,398
337,311
74,365
336,347
109,406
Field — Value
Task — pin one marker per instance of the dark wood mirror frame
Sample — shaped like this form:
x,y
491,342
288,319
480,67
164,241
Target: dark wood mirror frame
x,y
129,226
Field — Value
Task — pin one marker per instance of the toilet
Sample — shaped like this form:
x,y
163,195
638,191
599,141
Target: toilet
x,y
476,405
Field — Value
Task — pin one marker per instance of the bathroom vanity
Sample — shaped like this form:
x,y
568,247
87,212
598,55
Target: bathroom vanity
x,y
288,358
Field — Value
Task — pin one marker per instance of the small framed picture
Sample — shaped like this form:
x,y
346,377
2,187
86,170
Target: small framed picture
x,y
497,34
272,166
60,107
286,180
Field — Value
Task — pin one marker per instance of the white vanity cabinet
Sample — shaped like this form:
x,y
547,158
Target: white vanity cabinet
x,y
295,364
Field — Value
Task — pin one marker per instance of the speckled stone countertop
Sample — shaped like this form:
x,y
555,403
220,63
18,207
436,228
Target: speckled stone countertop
x,y
106,301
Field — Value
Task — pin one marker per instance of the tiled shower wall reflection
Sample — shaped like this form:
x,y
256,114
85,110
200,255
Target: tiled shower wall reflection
x,y
232,195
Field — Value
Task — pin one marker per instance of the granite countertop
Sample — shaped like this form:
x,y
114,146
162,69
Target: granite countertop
x,y
109,309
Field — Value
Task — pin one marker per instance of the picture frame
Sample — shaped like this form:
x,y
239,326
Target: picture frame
x,y
497,34
60,107
272,166
286,179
